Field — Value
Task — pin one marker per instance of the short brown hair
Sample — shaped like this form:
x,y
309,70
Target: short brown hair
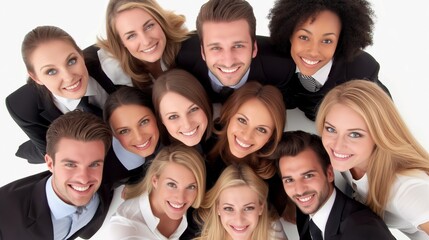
x,y
226,11
77,125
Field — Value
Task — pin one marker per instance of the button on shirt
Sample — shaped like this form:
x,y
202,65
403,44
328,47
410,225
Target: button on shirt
x,y
64,220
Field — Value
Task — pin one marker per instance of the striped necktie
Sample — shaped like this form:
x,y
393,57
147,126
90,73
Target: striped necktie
x,y
309,83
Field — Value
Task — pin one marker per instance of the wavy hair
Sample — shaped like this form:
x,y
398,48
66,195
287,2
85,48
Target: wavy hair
x,y
233,176
172,24
396,151
175,153
272,98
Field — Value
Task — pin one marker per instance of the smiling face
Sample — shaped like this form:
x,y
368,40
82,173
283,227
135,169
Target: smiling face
x,y
228,50
174,191
250,128
77,170
61,68
305,182
239,209
135,128
347,140
184,120
141,34
313,43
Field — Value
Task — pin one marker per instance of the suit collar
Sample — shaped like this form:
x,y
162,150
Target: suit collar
x,y
334,219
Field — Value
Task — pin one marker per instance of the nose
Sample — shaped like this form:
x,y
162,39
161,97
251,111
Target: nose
x,y
246,134
83,175
186,123
67,75
145,39
228,58
180,196
300,187
338,143
138,135
313,48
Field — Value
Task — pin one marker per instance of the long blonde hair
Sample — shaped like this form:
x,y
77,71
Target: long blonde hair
x,y
233,176
174,153
172,24
396,151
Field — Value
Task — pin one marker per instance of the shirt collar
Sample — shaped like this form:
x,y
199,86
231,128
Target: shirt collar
x,y
322,74
128,159
152,221
58,207
320,218
217,85
71,104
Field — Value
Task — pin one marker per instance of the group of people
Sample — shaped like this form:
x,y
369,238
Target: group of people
x,y
192,123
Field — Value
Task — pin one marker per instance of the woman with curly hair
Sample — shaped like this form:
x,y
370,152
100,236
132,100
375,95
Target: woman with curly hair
x,y
325,39
143,37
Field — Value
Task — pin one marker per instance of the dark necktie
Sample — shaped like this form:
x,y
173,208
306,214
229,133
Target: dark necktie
x,y
225,92
315,232
85,106
309,83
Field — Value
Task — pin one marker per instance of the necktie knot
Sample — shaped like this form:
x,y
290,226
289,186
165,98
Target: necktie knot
x,y
309,83
85,106
225,92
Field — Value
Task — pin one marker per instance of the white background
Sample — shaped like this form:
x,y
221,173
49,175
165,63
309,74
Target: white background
x,y
401,46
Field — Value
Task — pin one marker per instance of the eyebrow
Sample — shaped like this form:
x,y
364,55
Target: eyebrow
x,y
144,25
125,127
52,65
66,160
194,183
175,112
302,174
247,119
235,42
309,32
350,129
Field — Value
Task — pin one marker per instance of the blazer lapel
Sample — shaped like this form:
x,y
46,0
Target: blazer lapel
x,y
334,220
39,215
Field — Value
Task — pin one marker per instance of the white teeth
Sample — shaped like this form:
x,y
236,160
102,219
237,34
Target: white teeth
x,y
338,155
149,49
80,189
176,205
226,70
309,61
242,144
73,86
305,199
190,133
144,144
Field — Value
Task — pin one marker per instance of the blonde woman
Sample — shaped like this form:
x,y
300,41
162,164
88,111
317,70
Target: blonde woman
x,y
236,208
368,142
156,207
143,39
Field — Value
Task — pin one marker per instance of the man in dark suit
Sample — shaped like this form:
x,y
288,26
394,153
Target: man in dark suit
x,y
70,200
323,211
226,53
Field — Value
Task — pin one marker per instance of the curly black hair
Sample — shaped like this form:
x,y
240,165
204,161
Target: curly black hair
x,y
356,22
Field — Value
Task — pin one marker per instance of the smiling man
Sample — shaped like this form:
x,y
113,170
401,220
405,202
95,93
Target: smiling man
x,y
227,53
70,200
323,211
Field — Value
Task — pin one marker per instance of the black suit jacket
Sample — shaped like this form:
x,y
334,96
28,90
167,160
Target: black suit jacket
x,y
33,110
25,212
268,67
363,66
348,220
